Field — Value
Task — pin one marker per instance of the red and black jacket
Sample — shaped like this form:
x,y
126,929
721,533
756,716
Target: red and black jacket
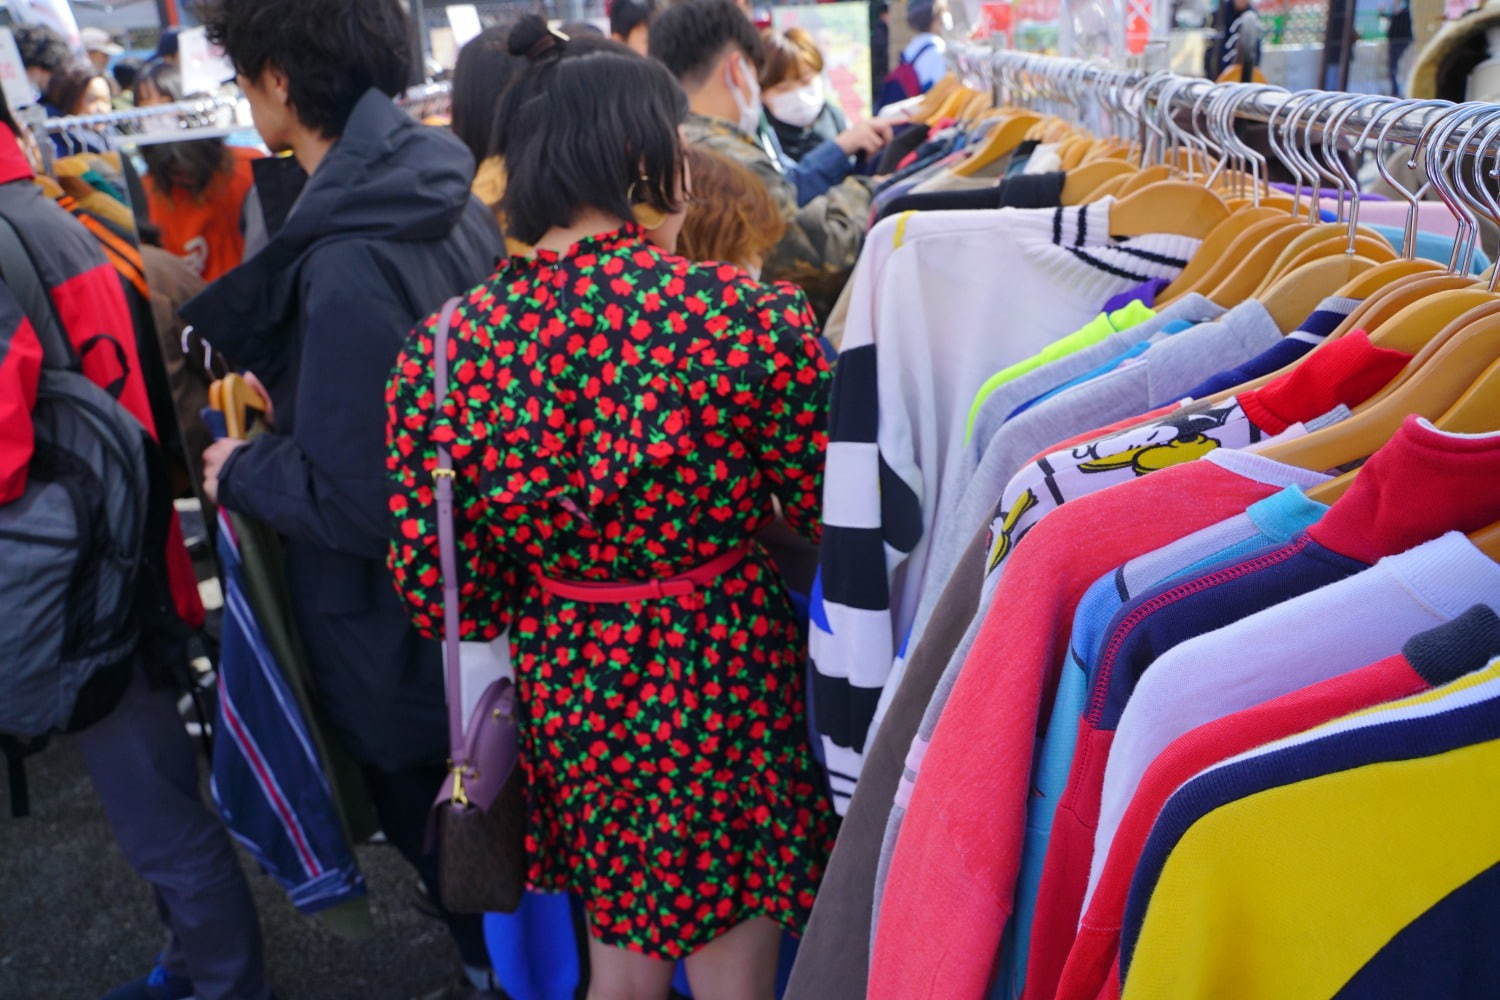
x,y
89,302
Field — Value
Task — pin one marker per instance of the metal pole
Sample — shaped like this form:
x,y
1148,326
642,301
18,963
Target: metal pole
x,y
418,42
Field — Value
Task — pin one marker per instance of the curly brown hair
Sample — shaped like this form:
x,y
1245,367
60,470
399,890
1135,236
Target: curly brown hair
x,y
731,217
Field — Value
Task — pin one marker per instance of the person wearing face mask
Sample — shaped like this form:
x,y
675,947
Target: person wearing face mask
x,y
714,52
793,91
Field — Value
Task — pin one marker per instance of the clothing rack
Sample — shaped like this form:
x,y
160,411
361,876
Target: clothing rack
x,y
199,118
1008,74
208,117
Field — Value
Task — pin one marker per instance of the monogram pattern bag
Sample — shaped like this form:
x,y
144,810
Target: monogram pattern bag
x,y
480,813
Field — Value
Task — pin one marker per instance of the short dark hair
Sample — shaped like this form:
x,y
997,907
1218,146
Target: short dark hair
x,y
332,51
689,36
484,69
591,125
42,48
627,15
69,85
126,70
919,16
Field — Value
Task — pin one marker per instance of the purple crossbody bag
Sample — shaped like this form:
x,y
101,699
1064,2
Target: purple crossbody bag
x,y
479,817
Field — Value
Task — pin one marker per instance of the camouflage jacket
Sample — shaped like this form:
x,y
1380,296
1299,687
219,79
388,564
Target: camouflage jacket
x,y
822,238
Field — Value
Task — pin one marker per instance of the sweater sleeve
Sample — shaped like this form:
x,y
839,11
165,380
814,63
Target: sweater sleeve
x,y
790,422
413,431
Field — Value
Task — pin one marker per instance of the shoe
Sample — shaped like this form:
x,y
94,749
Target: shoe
x,y
159,985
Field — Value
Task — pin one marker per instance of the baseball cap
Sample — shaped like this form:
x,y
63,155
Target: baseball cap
x,y
98,40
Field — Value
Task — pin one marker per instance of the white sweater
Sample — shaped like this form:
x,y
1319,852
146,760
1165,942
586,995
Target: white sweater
x,y
949,298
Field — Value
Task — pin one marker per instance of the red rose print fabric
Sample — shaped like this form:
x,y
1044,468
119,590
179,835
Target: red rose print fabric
x,y
615,414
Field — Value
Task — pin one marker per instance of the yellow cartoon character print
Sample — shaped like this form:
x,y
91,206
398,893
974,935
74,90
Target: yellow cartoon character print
x,y
1172,441
1003,530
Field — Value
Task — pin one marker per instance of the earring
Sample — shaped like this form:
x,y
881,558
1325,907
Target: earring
x,y
646,216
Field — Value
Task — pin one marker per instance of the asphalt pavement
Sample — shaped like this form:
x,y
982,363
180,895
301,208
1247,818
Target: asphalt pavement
x,y
75,921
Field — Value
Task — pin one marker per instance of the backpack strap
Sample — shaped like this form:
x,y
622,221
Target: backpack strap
x,y
919,53
19,273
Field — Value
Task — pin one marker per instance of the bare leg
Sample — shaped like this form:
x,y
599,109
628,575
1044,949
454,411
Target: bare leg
x,y
740,965
617,974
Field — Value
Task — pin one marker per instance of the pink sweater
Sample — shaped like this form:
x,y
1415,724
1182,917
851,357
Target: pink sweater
x,y
952,876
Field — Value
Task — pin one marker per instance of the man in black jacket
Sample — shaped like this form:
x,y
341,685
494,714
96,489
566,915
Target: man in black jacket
x,y
383,232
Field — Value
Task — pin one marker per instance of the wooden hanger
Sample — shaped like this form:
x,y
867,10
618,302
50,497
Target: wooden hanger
x,y
1215,245
1427,351
1080,184
935,98
952,106
1179,207
1110,188
1146,176
234,397
1477,411
1375,248
1239,248
1001,142
1487,540
1072,152
1379,307
1244,276
1310,235
1296,295
1378,278
1414,326
1429,393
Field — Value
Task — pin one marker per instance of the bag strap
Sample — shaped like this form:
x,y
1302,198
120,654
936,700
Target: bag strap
x,y
447,546
19,274
919,53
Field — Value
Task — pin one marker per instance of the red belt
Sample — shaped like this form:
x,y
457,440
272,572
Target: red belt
x,y
623,591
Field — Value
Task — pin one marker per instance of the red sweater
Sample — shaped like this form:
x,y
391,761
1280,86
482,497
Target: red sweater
x,y
952,877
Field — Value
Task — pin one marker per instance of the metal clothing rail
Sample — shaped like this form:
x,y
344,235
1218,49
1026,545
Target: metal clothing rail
x,y
1353,116
207,117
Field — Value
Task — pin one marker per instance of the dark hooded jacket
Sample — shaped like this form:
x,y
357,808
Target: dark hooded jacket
x,y
382,234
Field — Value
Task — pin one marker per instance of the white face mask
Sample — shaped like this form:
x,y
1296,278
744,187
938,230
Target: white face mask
x,y
947,21
749,107
799,107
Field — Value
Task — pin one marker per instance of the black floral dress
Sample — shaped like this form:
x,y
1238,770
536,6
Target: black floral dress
x,y
620,414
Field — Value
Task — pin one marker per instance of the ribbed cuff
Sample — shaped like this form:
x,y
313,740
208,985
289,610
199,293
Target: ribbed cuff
x,y
1459,647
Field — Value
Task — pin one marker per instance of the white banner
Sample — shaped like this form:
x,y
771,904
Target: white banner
x,y
56,14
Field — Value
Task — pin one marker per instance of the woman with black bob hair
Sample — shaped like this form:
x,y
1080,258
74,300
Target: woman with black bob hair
x,y
620,420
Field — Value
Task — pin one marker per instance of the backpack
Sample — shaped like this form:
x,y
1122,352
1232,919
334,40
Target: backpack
x,y
71,546
903,82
